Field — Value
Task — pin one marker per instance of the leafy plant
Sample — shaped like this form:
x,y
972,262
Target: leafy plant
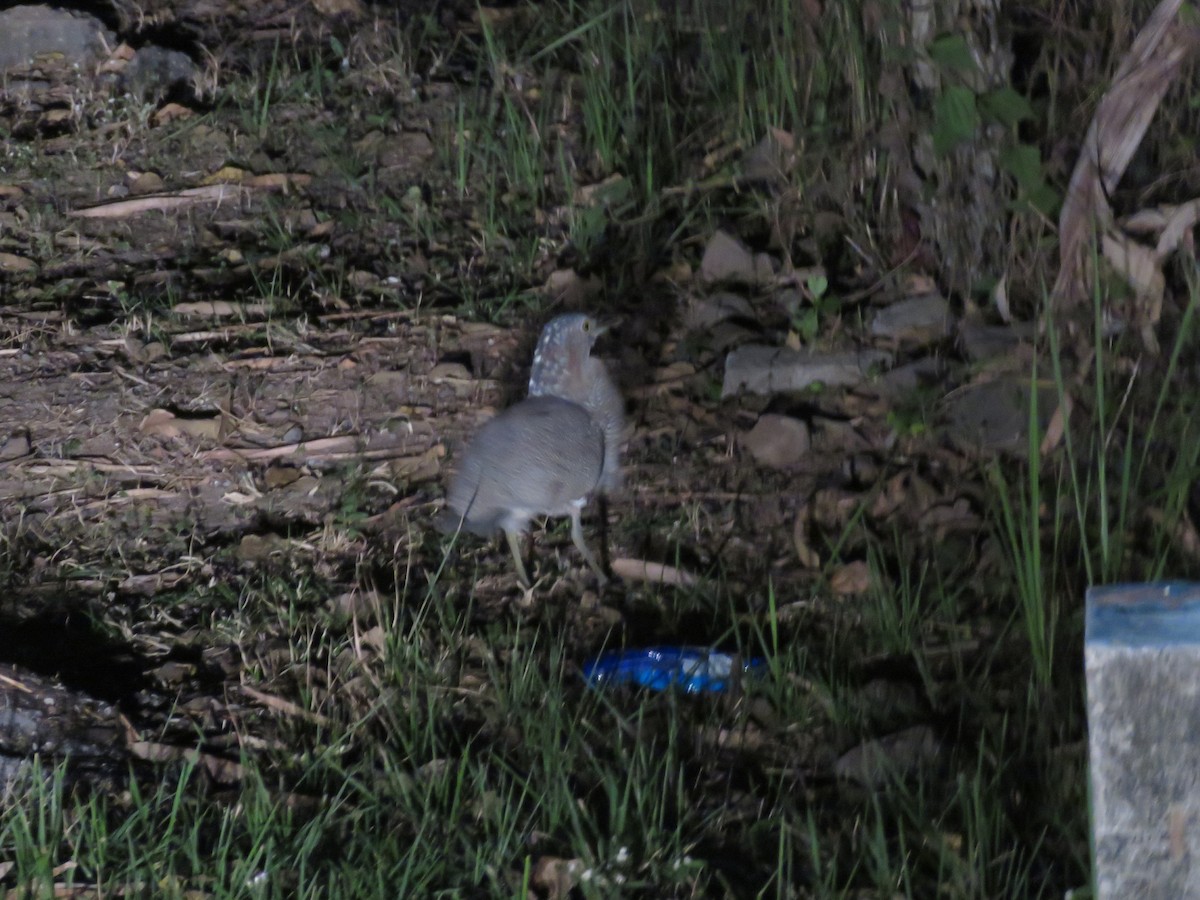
x,y
960,111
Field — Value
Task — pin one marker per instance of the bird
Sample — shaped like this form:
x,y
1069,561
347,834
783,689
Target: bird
x,y
543,456
564,367
549,453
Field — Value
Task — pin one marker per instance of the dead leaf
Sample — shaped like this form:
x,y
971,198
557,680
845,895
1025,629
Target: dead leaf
x,y
893,496
1183,533
283,182
566,286
165,424
745,738
556,877
222,770
852,578
226,175
834,507
1178,229
1000,300
350,9
286,707
495,16
1057,426
1139,265
159,423
171,112
943,518
612,189
1146,73
809,558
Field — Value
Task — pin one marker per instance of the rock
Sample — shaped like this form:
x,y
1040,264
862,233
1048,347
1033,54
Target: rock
x,y
256,548
727,259
906,752
17,775
43,716
146,183
704,312
764,268
912,376
920,319
882,697
34,30
729,334
790,300
15,446
11,262
758,369
994,415
777,441
771,159
407,150
983,342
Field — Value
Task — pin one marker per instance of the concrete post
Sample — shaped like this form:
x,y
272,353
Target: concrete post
x,y
1142,658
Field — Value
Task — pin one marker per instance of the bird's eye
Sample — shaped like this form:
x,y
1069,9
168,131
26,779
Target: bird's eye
x,y
587,325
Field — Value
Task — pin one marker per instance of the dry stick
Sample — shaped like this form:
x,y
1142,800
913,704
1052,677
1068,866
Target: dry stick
x,y
212,193
1117,128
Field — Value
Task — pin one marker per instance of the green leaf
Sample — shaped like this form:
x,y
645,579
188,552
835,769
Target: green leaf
x,y
1006,106
1045,199
1024,163
806,323
955,119
952,53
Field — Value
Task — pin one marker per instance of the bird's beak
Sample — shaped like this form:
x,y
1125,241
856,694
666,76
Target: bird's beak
x,y
605,325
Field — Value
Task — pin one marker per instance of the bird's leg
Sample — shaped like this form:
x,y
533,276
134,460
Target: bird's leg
x,y
514,545
577,537
602,506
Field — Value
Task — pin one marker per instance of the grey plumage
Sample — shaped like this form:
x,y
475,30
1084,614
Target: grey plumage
x,y
546,455
564,367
